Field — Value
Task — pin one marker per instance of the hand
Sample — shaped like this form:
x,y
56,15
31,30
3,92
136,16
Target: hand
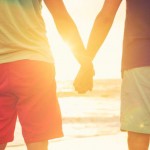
x,y
84,79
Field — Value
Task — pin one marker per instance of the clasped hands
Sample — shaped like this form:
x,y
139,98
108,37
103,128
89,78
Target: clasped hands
x,y
84,79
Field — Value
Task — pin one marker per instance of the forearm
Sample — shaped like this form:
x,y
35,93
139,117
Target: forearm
x,y
98,34
71,36
102,25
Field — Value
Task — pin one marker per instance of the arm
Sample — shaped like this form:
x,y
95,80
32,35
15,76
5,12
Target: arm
x,y
84,79
102,25
67,28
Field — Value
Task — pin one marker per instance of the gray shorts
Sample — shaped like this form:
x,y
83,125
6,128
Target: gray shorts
x,y
135,100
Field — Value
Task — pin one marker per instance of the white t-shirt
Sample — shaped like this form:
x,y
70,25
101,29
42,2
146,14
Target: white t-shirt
x,y
22,31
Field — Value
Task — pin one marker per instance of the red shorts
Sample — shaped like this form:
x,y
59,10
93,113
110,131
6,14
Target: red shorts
x,y
28,90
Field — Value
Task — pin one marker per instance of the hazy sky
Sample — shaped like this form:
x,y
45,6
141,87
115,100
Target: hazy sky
x,y
107,62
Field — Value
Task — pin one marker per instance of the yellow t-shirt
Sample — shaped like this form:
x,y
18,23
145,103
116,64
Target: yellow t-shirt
x,y
22,32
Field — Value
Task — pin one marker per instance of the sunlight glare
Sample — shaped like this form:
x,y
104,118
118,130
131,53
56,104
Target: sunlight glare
x,y
108,61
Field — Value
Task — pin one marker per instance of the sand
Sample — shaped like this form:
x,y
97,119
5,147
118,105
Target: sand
x,y
107,142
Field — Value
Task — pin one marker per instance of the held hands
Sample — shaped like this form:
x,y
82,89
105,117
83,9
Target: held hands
x,y
84,79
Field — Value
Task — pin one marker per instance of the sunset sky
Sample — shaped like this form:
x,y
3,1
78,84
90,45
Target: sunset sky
x,y
107,62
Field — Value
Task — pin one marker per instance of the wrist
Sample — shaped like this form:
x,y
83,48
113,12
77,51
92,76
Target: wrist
x,y
88,67
85,60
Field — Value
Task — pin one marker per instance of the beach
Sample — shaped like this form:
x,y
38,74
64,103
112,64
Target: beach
x,y
90,121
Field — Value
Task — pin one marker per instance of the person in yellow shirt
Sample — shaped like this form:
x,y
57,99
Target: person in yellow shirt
x,y
27,73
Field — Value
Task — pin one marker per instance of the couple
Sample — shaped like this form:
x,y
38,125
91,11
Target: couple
x,y
27,73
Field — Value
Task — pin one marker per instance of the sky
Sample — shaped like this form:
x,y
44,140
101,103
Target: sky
x,y
107,63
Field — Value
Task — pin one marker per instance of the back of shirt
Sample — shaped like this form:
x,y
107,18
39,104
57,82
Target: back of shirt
x,y
136,50
22,31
